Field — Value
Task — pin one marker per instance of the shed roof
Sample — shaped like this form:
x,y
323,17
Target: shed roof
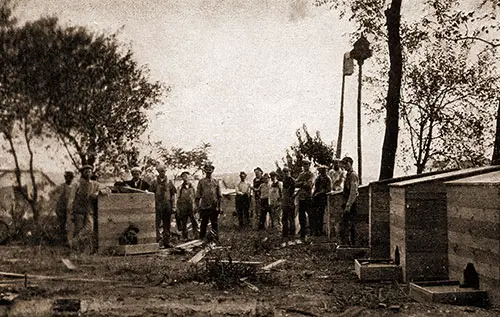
x,y
448,176
492,178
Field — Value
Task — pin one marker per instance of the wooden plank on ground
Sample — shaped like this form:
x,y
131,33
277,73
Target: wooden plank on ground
x,y
201,254
135,249
189,245
274,264
69,265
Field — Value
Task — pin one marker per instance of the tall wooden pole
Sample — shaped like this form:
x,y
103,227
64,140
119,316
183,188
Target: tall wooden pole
x,y
341,120
360,73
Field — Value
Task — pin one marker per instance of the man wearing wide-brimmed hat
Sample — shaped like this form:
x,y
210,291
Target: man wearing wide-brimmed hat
x,y
208,199
165,204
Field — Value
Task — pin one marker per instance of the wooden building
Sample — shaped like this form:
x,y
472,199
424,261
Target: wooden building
x,y
474,229
379,212
419,223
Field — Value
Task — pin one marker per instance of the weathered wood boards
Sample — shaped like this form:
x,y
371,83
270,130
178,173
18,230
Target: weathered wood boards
x,y
379,214
117,211
334,211
474,229
447,292
419,223
374,270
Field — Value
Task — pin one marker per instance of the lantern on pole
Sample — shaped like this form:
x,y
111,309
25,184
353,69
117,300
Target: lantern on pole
x,y
360,53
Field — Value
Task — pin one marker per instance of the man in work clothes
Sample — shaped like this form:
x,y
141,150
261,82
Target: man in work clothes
x,y
275,196
322,186
208,198
63,191
256,185
136,181
288,204
165,204
350,195
186,205
243,196
81,209
304,183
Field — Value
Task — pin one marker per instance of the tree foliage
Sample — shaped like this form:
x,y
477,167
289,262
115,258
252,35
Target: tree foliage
x,y
94,95
447,93
311,147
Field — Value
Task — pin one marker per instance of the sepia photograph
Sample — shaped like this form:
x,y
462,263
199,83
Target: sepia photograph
x,y
250,158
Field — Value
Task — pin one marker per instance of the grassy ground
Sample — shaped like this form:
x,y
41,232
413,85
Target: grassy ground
x,y
312,282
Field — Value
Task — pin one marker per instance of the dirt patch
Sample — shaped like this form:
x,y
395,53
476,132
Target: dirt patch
x,y
311,282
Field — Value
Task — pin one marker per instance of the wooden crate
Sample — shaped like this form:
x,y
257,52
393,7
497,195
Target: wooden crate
x,y
419,223
474,229
447,292
117,211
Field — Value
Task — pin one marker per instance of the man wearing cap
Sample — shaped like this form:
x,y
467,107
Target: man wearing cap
x,y
255,187
165,204
304,183
186,205
275,196
63,193
243,195
81,210
322,186
136,182
288,204
337,175
350,195
208,199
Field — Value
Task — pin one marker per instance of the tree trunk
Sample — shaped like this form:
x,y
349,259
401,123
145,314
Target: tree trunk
x,y
393,15
495,160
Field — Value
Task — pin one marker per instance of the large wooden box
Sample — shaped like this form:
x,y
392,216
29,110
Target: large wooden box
x,y
474,229
117,211
334,211
419,224
379,212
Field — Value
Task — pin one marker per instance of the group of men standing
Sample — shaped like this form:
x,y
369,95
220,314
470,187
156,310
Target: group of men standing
x,y
76,208
283,197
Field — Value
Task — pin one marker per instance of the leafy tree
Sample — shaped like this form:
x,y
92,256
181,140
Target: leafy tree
x,y
174,158
308,147
383,25
96,96
446,108
441,20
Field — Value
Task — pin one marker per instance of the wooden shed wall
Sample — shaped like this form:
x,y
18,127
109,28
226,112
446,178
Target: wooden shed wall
x,y
474,234
117,211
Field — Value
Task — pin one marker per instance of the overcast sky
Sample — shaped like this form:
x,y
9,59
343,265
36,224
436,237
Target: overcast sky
x,y
245,74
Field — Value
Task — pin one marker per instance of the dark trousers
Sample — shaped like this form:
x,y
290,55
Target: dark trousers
x,y
288,220
318,210
242,209
348,227
208,214
264,210
163,219
304,212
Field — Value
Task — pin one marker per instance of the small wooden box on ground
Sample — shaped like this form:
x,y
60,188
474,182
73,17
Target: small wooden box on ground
x,y
448,292
350,253
369,270
117,211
